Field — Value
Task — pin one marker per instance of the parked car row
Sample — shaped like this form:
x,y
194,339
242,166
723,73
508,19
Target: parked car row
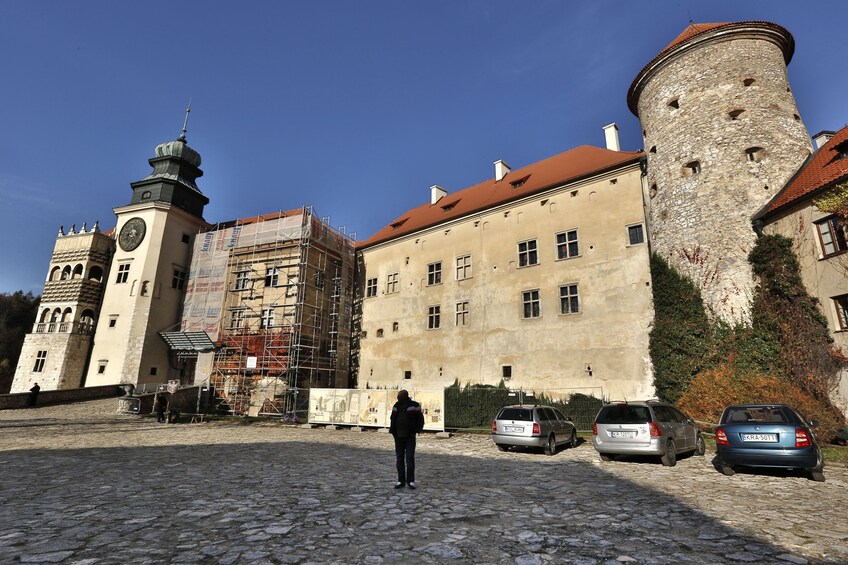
x,y
748,435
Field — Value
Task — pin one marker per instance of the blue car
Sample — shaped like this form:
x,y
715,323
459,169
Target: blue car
x,y
767,435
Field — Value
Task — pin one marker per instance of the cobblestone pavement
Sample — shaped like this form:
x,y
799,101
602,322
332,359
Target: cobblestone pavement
x,y
82,485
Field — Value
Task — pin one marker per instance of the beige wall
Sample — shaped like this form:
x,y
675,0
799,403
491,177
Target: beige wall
x,y
133,347
824,278
553,351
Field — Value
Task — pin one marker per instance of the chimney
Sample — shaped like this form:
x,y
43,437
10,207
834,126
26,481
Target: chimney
x,y
437,193
611,135
822,137
501,170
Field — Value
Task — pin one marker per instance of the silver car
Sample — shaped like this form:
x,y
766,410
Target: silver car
x,y
524,425
645,428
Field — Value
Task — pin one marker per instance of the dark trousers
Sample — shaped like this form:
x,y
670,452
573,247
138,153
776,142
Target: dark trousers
x,y
405,454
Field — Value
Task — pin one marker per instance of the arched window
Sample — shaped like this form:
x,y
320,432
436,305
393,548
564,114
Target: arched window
x,y
67,315
57,314
55,273
44,315
86,322
66,273
95,274
78,271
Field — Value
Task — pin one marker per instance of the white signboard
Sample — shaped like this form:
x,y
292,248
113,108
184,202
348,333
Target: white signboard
x,y
251,363
371,407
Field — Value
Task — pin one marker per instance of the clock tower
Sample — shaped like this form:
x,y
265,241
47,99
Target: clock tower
x,y
144,293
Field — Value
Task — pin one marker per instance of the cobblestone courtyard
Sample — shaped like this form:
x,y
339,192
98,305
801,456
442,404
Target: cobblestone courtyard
x,y
82,485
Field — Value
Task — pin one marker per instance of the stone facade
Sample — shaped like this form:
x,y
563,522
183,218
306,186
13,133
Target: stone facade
x,y
56,352
722,135
484,334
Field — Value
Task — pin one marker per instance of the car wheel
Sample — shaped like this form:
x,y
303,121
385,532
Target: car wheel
x,y
502,447
727,470
573,443
550,447
817,475
670,457
606,457
700,447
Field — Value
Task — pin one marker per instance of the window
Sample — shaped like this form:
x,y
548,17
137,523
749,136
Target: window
x,y
380,332
841,304
146,195
434,317
392,283
154,371
462,313
319,280
506,372
754,154
40,359
272,276
463,267
407,375
567,245
395,326
674,103
434,273
734,114
692,168
266,320
113,320
527,254
569,301
123,273
241,280
832,236
186,238
179,279
371,288
531,303
101,367
635,234
237,319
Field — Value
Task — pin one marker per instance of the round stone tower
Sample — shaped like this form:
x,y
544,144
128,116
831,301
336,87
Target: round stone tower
x,y
722,135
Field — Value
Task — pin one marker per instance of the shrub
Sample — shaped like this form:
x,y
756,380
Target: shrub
x,y
715,388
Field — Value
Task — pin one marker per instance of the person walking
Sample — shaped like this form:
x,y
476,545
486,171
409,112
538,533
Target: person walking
x,y
407,420
161,403
33,394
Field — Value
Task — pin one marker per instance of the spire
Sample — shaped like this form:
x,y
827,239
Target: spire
x,y
185,122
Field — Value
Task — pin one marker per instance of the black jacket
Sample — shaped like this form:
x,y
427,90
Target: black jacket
x,y
415,419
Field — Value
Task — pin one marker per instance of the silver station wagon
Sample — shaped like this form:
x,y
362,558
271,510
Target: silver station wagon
x,y
524,425
645,428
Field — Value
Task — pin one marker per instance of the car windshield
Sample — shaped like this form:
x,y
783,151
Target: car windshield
x,y
740,414
522,414
624,414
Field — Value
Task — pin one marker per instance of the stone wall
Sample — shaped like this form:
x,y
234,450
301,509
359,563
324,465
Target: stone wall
x,y
63,366
45,397
713,105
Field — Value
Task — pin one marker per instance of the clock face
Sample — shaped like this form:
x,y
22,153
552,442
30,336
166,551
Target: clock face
x,y
132,234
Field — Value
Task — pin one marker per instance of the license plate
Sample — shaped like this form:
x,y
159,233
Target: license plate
x,y
623,434
760,437
513,429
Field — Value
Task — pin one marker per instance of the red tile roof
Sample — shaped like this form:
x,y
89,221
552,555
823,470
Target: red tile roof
x,y
259,218
824,168
575,164
785,39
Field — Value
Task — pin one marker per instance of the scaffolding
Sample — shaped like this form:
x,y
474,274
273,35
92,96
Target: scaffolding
x,y
275,294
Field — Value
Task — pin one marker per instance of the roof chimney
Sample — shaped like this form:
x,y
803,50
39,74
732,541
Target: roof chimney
x,y
501,170
611,135
822,137
437,193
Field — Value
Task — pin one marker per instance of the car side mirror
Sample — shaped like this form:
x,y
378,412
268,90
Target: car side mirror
x,y
814,423
568,419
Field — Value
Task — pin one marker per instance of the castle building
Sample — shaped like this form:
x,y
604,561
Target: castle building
x,y
722,135
144,294
55,354
818,237
538,277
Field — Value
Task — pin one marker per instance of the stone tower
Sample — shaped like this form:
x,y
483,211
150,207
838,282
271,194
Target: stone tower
x,y
56,352
722,135
146,287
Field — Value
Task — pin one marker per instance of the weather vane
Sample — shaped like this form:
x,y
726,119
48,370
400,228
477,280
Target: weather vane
x,y
185,122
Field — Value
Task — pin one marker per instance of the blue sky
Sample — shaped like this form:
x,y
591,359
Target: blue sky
x,y
356,108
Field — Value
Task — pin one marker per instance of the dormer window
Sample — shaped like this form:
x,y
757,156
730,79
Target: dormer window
x,y
519,182
842,150
399,223
145,195
450,206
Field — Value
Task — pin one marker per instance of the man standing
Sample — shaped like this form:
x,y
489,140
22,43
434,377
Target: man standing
x,y
33,394
407,420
